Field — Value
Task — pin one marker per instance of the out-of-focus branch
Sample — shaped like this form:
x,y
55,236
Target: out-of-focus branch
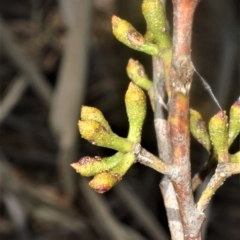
x,y
38,202
12,96
70,90
17,215
223,171
100,211
141,213
27,67
201,175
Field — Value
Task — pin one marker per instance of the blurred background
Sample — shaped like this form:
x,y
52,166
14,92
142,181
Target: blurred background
x,y
58,55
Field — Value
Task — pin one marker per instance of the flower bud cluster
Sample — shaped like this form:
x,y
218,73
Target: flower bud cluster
x,y
93,127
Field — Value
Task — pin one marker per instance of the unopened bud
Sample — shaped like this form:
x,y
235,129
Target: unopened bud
x,y
90,166
135,100
154,14
218,129
199,130
91,113
137,74
104,181
234,122
98,135
128,35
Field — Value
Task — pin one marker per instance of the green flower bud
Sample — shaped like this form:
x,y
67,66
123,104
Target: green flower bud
x,y
97,134
90,166
91,113
104,181
137,74
155,17
234,122
199,130
218,130
128,35
135,100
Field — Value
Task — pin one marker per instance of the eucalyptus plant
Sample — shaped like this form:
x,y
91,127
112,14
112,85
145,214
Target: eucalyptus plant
x,y
172,78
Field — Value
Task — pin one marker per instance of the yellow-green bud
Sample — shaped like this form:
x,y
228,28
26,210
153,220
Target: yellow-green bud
x,y
218,129
234,122
90,166
104,181
137,74
154,14
128,35
135,100
91,113
98,135
199,130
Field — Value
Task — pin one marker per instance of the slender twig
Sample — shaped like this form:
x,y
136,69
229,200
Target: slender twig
x,y
223,171
201,175
148,159
165,149
235,168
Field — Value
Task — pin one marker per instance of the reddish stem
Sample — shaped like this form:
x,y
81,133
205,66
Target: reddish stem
x,y
180,81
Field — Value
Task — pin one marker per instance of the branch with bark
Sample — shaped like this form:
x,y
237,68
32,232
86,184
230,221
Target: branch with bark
x,y
173,118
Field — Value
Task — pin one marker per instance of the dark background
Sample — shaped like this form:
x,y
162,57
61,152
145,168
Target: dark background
x,y
42,197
